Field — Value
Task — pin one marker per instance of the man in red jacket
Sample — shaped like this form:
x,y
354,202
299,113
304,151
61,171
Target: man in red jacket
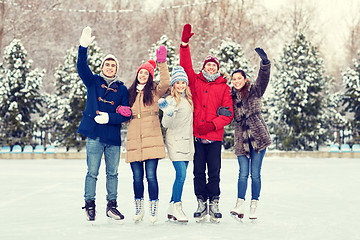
x,y
213,109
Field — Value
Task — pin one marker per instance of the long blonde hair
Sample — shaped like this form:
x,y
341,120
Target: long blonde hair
x,y
177,98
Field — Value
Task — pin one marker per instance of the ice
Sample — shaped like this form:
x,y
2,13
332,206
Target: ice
x,y
301,199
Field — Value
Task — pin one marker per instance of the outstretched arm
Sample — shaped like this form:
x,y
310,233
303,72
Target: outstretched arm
x,y
185,56
82,66
263,78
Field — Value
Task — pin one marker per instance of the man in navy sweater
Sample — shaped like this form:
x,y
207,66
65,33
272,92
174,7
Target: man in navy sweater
x,y
101,125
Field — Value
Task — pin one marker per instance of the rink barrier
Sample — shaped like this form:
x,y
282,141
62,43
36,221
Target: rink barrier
x,y
224,155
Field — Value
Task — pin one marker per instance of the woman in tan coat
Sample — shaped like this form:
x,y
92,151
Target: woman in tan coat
x,y
145,145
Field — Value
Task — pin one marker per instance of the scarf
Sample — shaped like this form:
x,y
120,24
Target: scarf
x,y
140,87
108,80
209,77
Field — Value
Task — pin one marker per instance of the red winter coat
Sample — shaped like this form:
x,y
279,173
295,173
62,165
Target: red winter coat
x,y
207,98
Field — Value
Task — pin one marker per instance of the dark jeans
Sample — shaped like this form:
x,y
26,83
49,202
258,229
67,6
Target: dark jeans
x,y
207,156
138,177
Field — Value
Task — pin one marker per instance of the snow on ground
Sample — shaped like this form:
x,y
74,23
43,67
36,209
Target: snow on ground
x,y
300,199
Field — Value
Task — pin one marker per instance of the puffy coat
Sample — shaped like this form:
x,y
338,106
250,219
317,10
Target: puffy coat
x,y
179,134
249,123
207,98
111,97
144,137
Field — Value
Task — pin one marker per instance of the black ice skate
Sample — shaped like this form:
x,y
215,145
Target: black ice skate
x,y
112,213
90,210
214,212
201,211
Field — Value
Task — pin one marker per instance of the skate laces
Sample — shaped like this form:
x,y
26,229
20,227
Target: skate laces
x,y
138,206
153,207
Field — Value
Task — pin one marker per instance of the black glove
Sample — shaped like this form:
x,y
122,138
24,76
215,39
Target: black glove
x,y
262,55
224,111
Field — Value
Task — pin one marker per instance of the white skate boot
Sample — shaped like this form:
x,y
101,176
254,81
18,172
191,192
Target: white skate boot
x,y
253,205
139,210
154,204
238,211
178,213
170,211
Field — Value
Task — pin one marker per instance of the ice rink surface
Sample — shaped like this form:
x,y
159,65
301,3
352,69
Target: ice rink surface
x,y
301,199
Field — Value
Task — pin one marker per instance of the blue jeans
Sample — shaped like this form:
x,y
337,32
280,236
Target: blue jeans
x,y
246,166
138,177
180,169
94,151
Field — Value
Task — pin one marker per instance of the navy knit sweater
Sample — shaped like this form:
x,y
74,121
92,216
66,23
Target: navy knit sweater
x,y
103,98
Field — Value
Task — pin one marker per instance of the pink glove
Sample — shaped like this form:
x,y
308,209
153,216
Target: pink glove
x,y
186,33
124,111
206,128
161,54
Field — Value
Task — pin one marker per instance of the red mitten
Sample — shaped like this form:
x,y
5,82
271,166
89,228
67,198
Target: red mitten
x,y
186,34
206,128
124,111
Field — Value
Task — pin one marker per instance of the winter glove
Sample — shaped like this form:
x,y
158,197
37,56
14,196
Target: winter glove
x,y
186,33
167,107
124,111
102,118
224,111
86,39
262,55
161,54
206,128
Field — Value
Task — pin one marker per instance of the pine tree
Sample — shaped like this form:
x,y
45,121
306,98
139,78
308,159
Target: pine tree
x,y
231,57
351,97
300,103
67,105
20,97
172,59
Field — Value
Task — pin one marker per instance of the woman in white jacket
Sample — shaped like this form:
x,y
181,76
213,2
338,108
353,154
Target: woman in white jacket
x,y
178,119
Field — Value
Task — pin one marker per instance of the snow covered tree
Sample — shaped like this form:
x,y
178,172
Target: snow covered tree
x,y
300,104
231,57
172,59
67,105
351,97
19,95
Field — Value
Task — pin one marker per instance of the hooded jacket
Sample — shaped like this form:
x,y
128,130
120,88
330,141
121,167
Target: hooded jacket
x,y
207,98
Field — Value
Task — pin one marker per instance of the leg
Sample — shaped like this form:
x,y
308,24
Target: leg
x,y
256,162
94,152
199,171
112,159
243,161
180,169
138,178
153,187
213,160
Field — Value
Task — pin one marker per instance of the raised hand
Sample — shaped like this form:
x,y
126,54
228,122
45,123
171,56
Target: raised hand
x,y
161,54
86,39
186,33
262,55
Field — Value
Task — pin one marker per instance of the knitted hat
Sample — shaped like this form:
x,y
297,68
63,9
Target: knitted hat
x,y
110,56
178,74
150,66
211,58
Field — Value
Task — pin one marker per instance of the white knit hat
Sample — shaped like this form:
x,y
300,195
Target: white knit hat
x,y
110,56
178,74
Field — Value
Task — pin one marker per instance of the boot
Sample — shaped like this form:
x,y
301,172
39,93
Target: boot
x,y
90,210
253,205
170,210
178,214
139,210
214,212
201,211
154,204
112,212
238,210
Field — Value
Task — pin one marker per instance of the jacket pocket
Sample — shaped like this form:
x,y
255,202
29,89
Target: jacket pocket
x,y
182,144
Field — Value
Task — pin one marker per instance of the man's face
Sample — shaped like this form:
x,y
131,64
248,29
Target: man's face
x,y
109,68
211,68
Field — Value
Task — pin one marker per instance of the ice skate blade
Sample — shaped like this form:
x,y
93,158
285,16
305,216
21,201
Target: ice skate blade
x,y
236,217
201,219
215,220
115,221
